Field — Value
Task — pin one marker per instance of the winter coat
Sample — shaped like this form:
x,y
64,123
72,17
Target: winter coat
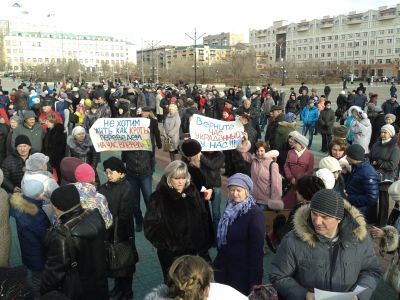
x,y
281,140
159,109
5,231
272,127
54,144
309,116
88,233
4,130
251,135
177,222
185,121
267,183
45,178
361,129
172,124
325,121
91,199
362,187
211,163
13,168
155,134
377,124
35,135
138,163
359,100
84,151
389,107
304,259
148,99
387,157
267,105
239,263
32,224
292,106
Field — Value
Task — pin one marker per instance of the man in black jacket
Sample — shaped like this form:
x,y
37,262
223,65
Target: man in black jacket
x,y
76,262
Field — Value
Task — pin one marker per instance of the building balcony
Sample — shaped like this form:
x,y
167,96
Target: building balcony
x,y
387,16
282,29
354,21
326,25
303,27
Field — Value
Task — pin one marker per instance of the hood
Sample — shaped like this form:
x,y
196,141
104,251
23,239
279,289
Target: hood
x,y
353,221
86,224
19,203
81,148
86,190
287,124
354,107
158,293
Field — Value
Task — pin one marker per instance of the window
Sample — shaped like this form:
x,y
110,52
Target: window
x,y
349,53
309,55
364,52
316,55
335,54
356,44
349,44
310,47
397,40
322,54
372,42
371,61
322,46
341,54
389,41
328,54
357,34
381,32
329,46
365,43
390,30
335,45
397,50
342,45
380,51
388,51
316,47
356,52
323,38
365,34
373,33
356,62
380,42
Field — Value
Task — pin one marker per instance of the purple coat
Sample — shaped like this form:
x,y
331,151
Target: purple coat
x,y
239,263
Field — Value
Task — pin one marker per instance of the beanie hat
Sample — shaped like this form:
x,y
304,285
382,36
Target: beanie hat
x,y
65,197
242,180
330,163
77,130
114,164
356,152
1,176
47,102
340,132
329,203
299,138
293,94
22,139
394,191
68,166
190,147
29,114
327,177
16,119
36,161
172,107
390,116
84,173
389,128
290,117
32,188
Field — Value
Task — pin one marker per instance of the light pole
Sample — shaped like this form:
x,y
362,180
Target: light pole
x,y
195,38
152,45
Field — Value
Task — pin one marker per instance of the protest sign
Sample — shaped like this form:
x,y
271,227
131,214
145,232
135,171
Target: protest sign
x,y
215,135
125,134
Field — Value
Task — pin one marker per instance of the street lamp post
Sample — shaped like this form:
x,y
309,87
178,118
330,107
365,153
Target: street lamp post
x,y
195,38
283,75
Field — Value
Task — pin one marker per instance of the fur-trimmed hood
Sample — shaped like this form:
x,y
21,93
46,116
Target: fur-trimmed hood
x,y
353,220
390,241
80,148
19,203
287,124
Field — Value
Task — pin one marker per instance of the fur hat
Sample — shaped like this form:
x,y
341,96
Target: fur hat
x,y
241,180
65,197
114,164
190,147
340,132
36,162
390,116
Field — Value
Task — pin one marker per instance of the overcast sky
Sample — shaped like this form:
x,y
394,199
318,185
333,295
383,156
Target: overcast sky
x,y
167,21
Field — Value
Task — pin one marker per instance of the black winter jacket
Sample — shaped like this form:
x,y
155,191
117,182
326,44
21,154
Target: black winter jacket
x,y
4,129
387,157
87,230
85,151
13,169
138,163
54,143
211,164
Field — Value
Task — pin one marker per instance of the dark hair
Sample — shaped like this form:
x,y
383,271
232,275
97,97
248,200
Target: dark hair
x,y
341,143
327,102
263,144
307,186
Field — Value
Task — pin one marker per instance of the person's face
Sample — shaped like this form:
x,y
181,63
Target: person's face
x,y
276,113
304,92
113,176
336,174
246,104
228,105
46,109
120,111
99,100
23,149
311,104
145,114
80,137
351,161
291,142
225,115
13,124
297,146
385,135
328,106
337,152
178,183
260,152
48,124
354,113
30,122
243,120
293,97
388,121
237,193
324,225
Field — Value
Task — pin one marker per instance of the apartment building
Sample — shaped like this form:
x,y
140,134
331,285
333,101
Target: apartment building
x,y
364,43
223,39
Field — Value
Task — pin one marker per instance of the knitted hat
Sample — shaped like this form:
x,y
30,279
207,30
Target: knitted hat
x,y
394,191
65,197
32,188
390,116
330,163
84,173
172,107
276,107
36,161
329,203
15,119
241,180
77,130
356,152
47,102
190,147
68,166
290,117
29,114
22,139
327,177
340,132
299,138
114,164
389,128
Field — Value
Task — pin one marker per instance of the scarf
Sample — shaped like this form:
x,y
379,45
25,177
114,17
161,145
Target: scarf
x,y
232,211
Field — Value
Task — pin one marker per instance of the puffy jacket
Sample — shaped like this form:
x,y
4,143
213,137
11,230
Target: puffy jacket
x,y
361,129
387,157
292,106
87,231
211,163
389,107
4,130
362,186
304,259
138,163
32,224
359,100
309,116
13,169
85,151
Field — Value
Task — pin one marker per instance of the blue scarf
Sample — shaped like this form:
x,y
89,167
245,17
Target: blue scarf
x,y
232,211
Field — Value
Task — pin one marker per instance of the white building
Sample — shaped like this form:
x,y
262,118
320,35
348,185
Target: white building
x,y
365,43
223,39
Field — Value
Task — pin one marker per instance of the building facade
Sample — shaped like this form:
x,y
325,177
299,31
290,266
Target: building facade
x,y
223,39
365,44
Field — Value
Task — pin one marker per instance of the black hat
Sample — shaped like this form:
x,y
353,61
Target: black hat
x,y
190,147
146,109
65,197
329,203
276,107
99,93
340,132
293,94
114,164
47,102
229,101
22,139
356,152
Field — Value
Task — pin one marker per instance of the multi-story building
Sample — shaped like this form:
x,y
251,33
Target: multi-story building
x,y
365,43
223,39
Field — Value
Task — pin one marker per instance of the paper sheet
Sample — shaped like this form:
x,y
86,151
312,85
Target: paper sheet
x,y
326,295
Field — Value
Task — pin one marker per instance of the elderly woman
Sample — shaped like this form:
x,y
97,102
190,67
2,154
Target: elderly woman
x,y
176,221
240,238
172,124
80,145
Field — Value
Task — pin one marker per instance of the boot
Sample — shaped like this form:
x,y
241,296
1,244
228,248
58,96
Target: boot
x,y
172,155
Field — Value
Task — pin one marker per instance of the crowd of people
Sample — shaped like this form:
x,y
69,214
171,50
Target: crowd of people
x,y
76,231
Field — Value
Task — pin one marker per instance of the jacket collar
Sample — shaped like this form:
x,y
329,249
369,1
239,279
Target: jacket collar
x,y
352,228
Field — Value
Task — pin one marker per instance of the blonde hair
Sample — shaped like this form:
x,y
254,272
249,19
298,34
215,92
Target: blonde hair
x,y
177,169
188,278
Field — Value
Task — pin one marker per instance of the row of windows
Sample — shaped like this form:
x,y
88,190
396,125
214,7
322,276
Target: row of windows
x,y
80,53
58,60
61,42
356,61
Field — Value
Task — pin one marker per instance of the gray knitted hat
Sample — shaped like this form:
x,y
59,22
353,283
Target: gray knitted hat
x,y
329,203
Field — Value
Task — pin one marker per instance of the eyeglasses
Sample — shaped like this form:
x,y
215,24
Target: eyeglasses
x,y
110,172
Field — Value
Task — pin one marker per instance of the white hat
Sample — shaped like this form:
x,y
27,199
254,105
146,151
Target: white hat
x,y
258,88
394,191
299,138
330,163
327,177
389,128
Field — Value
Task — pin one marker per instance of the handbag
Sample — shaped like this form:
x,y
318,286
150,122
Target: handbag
x,y
168,145
392,274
